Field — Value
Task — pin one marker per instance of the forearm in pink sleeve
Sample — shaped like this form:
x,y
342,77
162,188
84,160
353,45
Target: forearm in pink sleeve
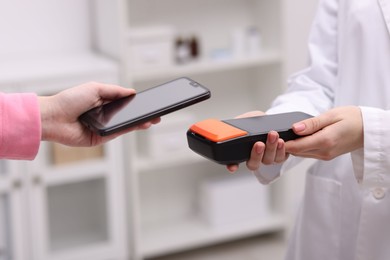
x,y
20,126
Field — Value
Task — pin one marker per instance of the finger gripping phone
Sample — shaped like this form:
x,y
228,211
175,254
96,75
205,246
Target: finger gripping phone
x,y
142,107
231,141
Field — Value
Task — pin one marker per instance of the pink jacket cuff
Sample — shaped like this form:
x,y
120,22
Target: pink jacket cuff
x,y
20,126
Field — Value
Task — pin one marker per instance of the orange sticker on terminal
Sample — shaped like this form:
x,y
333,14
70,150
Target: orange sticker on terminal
x,y
216,130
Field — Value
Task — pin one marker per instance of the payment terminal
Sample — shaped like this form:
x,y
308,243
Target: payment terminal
x,y
231,141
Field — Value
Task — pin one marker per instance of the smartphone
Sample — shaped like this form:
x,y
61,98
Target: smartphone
x,y
144,106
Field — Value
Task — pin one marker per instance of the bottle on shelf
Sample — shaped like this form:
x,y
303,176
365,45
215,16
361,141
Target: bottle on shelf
x,y
183,51
187,49
194,47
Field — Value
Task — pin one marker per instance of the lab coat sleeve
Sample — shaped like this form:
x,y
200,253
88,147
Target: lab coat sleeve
x,y
312,89
20,126
372,162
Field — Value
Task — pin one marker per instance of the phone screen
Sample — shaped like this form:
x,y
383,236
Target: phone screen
x,y
144,106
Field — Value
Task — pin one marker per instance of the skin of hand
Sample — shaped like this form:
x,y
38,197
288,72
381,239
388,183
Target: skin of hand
x,y
60,113
335,132
273,151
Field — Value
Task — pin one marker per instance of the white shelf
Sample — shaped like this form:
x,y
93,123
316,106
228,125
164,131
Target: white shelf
x,y
192,233
167,181
82,241
79,172
84,252
207,66
78,66
170,160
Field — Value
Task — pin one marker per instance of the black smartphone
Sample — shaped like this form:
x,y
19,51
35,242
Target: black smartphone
x,y
144,106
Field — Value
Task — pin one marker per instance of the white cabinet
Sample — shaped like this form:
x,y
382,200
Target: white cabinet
x,y
63,209
12,210
77,202
139,196
69,203
164,176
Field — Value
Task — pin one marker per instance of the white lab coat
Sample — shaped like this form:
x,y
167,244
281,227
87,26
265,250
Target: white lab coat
x,y
345,212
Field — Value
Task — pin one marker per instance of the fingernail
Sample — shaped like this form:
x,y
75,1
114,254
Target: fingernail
x,y
280,145
272,138
259,149
299,127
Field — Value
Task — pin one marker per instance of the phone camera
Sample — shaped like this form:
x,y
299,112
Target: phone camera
x,y
194,84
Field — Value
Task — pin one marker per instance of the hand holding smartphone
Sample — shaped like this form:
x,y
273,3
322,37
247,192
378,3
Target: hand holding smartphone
x,y
139,108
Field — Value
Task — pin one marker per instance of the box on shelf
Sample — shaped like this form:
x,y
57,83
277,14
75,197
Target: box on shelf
x,y
62,154
233,199
167,137
151,47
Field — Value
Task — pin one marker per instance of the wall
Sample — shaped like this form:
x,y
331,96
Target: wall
x,y
43,26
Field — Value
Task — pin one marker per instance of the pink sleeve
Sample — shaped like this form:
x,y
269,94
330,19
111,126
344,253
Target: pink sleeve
x,y
20,126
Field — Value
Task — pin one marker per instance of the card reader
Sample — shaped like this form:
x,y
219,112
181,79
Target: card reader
x,y
231,141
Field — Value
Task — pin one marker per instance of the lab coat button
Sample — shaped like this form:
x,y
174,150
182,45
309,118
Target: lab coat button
x,y
378,193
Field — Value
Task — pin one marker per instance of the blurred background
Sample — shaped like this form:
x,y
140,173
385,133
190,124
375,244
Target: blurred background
x,y
145,195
